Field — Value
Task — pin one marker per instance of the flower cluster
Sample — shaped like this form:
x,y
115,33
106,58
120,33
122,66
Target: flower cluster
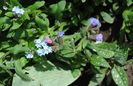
x,y
94,22
16,10
43,47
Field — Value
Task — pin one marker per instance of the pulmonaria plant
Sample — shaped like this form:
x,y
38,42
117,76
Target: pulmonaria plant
x,y
42,46
94,22
17,11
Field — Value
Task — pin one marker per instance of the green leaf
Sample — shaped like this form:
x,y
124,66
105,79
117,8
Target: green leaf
x,y
18,48
4,23
119,76
115,7
58,8
105,53
15,3
9,14
16,25
106,50
85,22
61,5
105,45
99,61
126,15
43,23
84,43
68,53
121,56
53,8
1,54
87,53
129,2
36,5
23,61
25,16
83,1
107,17
76,73
3,20
97,79
0,11
45,74
19,71
110,1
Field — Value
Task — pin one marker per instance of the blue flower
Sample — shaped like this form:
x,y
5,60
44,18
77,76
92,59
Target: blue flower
x,y
60,34
44,51
18,11
40,52
43,48
94,22
37,43
29,55
99,37
5,7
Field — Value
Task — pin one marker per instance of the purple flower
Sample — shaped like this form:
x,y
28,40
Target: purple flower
x,y
94,22
99,37
48,40
60,34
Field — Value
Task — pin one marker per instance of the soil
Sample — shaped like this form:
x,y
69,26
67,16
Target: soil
x,y
130,74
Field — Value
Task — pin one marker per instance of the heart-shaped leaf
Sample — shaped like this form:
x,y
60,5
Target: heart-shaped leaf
x,y
45,74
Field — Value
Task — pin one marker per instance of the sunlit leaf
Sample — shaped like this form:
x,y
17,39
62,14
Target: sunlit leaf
x,y
99,61
107,17
45,74
36,5
119,76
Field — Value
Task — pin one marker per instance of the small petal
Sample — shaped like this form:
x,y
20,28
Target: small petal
x,y
29,55
99,37
38,43
5,7
15,9
40,52
18,11
60,34
21,11
48,40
